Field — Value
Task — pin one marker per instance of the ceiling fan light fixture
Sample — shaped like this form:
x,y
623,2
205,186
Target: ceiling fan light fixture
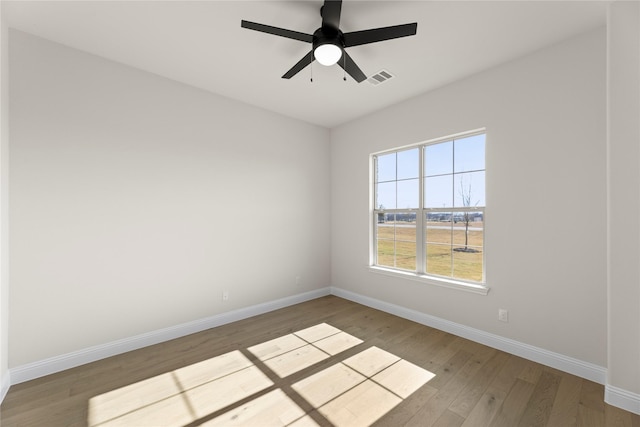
x,y
327,54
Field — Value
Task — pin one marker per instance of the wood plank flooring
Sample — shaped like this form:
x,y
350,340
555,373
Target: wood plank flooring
x,y
474,385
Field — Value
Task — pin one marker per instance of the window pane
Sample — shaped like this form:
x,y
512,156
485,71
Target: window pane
x,y
469,153
467,263
438,159
396,235
386,253
406,255
438,259
386,167
408,192
438,228
385,228
469,189
406,227
438,191
386,195
408,163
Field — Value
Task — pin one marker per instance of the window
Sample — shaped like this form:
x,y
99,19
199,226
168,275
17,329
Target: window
x,y
428,209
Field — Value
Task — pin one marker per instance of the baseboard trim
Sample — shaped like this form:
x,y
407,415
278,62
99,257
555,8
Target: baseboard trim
x,y
564,363
614,396
63,362
5,383
622,399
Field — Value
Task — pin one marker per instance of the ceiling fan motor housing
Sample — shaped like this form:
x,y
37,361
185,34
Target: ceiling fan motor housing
x,y
328,35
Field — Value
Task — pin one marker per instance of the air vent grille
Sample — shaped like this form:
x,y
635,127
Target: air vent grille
x,y
380,77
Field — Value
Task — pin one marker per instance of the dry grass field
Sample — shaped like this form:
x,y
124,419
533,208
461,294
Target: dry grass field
x,y
397,248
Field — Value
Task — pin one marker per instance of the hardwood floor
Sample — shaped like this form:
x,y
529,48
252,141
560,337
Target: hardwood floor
x,y
448,381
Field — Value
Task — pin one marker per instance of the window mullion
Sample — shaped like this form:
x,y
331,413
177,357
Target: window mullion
x,y
453,203
420,243
373,253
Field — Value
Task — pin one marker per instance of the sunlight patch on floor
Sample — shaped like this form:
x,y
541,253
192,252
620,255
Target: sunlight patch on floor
x,y
403,378
360,406
276,347
337,343
371,361
343,392
328,384
297,351
230,390
273,408
296,360
317,332
181,396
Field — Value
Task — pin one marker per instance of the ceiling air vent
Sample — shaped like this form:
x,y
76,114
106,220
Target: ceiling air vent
x,y
380,77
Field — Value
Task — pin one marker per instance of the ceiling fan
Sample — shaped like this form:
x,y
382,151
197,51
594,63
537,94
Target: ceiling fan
x,y
329,43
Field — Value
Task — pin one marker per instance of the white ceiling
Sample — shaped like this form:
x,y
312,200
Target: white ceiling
x,y
200,43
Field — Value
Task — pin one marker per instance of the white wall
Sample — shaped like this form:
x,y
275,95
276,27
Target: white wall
x,y
624,200
546,197
135,201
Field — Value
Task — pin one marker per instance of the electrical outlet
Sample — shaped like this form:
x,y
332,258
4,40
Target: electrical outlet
x,y
503,315
225,295
298,281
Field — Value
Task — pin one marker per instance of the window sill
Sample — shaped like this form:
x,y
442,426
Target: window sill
x,y
452,284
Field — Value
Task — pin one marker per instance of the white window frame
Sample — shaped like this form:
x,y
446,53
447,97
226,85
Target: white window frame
x,y
421,212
